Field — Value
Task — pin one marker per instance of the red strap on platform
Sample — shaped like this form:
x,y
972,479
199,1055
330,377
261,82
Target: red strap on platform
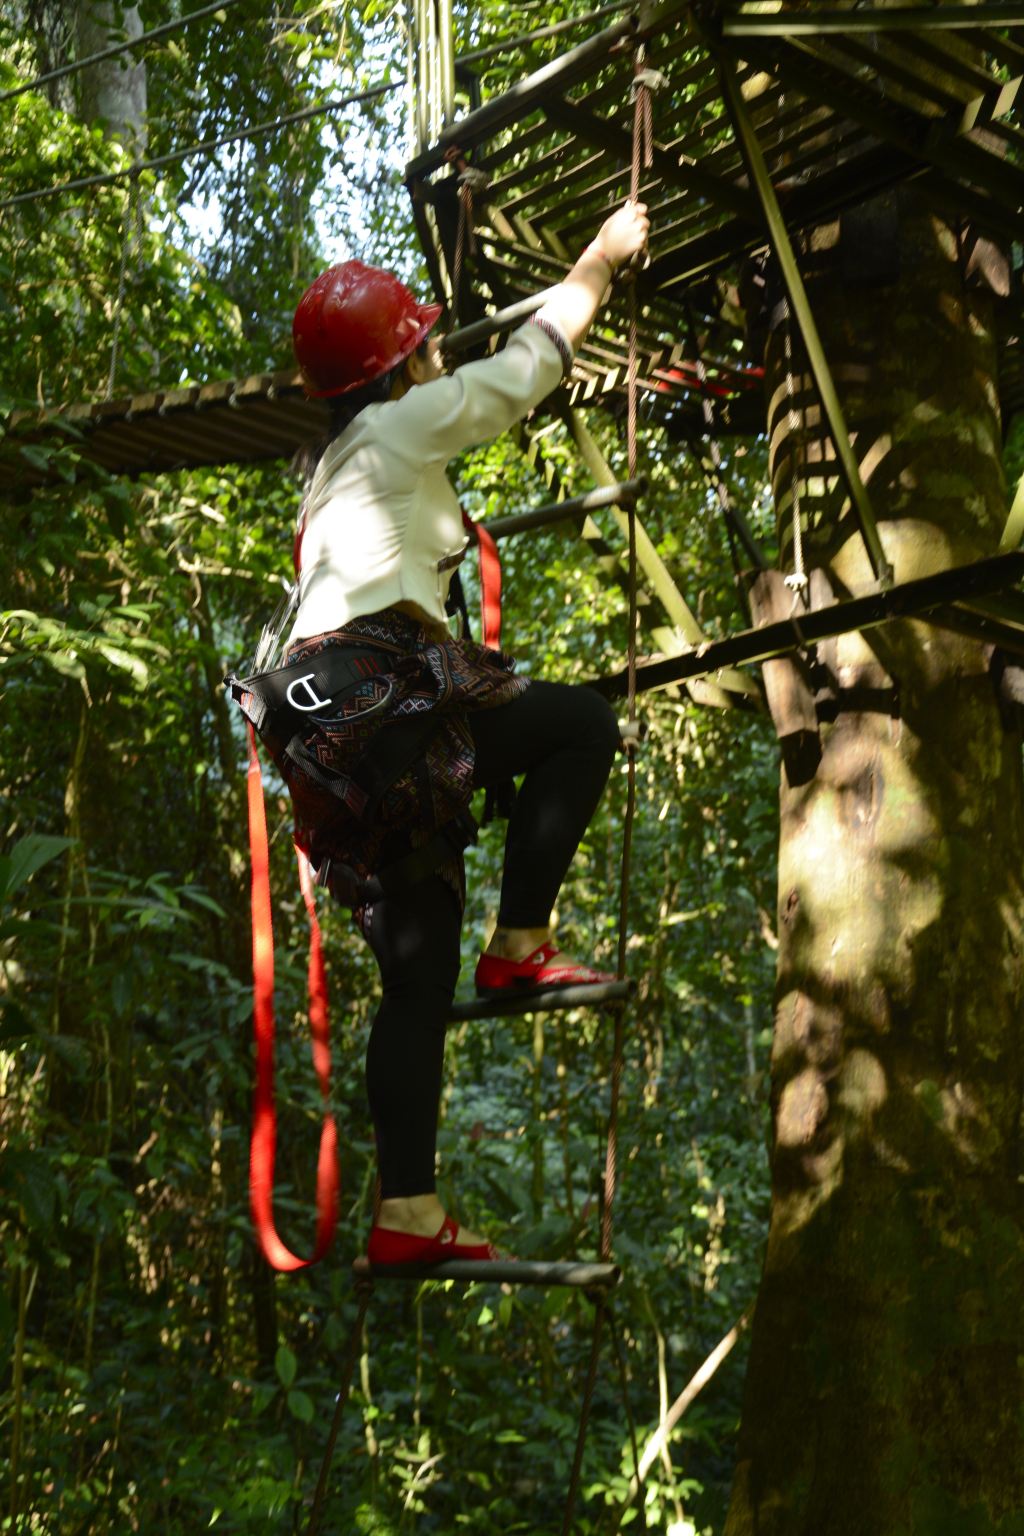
x,y
264,1126
490,582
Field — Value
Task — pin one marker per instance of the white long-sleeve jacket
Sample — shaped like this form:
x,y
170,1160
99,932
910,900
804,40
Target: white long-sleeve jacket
x,y
382,524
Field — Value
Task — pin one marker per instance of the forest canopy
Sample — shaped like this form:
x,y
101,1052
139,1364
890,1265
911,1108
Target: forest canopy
x,y
159,1377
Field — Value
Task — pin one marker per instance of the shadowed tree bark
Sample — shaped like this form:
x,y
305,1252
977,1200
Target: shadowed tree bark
x,y
885,1385
114,89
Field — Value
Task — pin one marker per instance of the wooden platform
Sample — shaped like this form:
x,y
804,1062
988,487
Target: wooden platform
x,y
580,1276
554,1000
978,599
846,105
840,117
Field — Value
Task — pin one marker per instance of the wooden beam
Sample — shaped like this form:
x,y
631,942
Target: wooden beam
x,y
580,1276
915,18
794,283
907,600
524,97
607,994
667,167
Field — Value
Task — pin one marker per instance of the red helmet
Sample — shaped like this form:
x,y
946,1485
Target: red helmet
x,y
353,324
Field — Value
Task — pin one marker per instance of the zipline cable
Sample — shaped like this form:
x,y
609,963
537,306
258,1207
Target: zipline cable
x,y
553,30
169,27
107,178
116,48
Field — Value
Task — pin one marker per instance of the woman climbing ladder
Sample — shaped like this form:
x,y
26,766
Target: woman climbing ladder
x,y
381,782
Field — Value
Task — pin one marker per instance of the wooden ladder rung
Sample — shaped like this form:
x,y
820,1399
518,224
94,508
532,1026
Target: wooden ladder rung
x,y
582,1276
553,999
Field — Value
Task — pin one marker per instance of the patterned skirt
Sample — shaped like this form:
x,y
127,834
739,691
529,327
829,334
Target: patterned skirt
x,y
427,673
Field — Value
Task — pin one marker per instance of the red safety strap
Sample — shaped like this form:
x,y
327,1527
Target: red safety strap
x,y
264,1125
490,582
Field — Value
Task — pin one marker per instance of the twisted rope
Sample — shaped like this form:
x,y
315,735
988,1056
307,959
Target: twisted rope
x,y
132,230
642,157
355,1338
798,579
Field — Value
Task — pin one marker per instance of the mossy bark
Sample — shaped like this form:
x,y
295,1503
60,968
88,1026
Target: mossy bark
x,y
885,1391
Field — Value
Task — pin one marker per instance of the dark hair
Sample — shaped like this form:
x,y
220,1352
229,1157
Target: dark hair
x,y
343,410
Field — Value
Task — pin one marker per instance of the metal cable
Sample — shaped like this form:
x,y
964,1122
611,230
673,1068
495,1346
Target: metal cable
x,y
208,145
642,156
112,52
464,229
627,1403
108,178
798,579
355,1338
581,1433
553,30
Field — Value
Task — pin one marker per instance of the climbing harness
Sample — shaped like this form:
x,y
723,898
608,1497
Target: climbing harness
x,y
279,704
490,581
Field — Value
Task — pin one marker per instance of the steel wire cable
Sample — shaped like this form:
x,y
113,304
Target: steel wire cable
x,y
365,1295
207,146
108,178
476,54
116,48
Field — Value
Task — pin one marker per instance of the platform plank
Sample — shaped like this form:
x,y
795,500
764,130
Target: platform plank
x,y
580,1276
552,1000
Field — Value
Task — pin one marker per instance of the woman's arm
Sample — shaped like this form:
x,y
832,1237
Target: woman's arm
x,y
577,299
435,420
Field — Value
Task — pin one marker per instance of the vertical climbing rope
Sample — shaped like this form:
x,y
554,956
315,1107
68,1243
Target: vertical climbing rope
x,y
456,158
352,1354
471,179
797,580
642,158
132,234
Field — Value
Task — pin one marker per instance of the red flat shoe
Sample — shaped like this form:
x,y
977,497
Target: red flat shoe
x,y
496,977
387,1247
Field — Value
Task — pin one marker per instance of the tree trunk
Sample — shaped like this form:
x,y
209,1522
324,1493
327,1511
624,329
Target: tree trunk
x,y
884,1389
114,89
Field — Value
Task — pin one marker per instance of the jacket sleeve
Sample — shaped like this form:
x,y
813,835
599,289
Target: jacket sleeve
x,y
434,422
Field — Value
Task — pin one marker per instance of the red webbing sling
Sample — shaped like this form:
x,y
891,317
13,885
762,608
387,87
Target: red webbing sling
x,y
264,1126
490,582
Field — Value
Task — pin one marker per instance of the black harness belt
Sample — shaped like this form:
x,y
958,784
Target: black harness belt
x,y
284,703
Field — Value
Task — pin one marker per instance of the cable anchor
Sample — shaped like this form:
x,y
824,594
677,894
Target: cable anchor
x,y
652,79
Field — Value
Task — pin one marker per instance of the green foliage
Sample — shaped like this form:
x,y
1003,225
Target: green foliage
x,y
159,1378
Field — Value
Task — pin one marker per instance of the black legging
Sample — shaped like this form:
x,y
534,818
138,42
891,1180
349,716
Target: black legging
x,y
563,739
